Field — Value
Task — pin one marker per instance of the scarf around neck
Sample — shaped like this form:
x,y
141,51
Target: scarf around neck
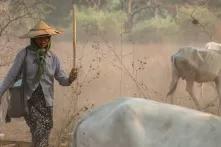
x,y
40,57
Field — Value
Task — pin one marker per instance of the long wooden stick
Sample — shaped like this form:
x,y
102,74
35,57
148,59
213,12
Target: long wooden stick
x,y
74,34
74,53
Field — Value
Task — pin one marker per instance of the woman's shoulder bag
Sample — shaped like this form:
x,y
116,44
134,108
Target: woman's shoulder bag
x,y
17,102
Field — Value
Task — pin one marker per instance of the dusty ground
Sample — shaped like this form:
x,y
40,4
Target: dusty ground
x,y
143,71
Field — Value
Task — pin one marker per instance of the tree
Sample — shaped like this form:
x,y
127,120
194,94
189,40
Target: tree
x,y
135,7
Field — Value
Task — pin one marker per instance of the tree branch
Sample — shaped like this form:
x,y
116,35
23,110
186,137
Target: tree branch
x,y
3,28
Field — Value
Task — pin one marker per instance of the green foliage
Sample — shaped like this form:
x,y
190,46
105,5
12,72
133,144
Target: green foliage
x,y
94,22
178,28
160,23
98,4
155,29
170,20
113,5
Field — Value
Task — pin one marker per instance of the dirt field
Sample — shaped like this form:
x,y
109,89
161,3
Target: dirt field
x,y
109,71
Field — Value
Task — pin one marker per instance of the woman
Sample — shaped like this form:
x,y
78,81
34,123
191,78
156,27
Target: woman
x,y
42,67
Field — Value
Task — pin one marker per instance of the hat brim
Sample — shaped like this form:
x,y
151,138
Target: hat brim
x,y
37,33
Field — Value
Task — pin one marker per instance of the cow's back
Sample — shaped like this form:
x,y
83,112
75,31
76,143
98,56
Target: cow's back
x,y
133,122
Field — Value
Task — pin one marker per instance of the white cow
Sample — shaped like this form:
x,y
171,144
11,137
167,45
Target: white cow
x,y
137,122
195,65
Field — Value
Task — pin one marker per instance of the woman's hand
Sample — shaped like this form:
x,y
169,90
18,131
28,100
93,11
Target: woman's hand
x,y
73,74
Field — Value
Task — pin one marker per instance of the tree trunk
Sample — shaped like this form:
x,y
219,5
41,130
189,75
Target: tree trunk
x,y
129,21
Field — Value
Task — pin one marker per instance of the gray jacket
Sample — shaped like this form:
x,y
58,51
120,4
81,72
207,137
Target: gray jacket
x,y
52,70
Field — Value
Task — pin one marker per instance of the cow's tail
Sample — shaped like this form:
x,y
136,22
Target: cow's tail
x,y
175,76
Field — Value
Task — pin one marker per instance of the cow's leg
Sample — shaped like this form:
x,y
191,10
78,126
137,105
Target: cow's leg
x,y
173,85
218,89
189,89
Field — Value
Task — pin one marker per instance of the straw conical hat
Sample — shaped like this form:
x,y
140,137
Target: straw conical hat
x,y
41,29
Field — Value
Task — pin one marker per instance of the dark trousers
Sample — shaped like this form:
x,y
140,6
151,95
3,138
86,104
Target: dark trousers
x,y
39,119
